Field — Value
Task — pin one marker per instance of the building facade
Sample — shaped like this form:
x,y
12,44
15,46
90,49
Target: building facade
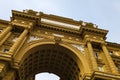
x,y
34,42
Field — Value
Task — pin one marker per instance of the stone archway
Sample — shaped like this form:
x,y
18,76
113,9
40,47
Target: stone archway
x,y
59,59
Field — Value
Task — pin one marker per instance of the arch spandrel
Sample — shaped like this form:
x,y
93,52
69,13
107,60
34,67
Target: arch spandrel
x,y
78,56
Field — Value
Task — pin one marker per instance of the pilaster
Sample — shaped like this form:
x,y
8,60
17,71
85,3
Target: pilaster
x,y
5,38
5,32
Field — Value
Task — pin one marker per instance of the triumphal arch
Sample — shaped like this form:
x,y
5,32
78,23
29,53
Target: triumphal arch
x,y
34,42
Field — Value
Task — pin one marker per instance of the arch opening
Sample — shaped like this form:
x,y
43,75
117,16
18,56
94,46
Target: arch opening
x,y
46,76
50,58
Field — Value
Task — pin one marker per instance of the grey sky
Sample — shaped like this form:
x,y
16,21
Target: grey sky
x,y
104,13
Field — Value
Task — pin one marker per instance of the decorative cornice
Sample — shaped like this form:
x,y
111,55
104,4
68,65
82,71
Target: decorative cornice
x,y
4,22
111,44
24,15
93,30
57,22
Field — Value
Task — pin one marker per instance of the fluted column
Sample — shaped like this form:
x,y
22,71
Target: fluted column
x,y
109,59
18,41
5,32
92,56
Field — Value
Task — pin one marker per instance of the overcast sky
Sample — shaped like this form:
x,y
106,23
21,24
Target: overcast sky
x,y
104,13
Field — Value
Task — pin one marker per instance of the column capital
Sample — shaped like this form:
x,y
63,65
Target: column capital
x,y
11,24
87,40
103,43
30,26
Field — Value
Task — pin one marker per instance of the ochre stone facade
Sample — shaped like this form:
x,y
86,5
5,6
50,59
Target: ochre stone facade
x,y
33,42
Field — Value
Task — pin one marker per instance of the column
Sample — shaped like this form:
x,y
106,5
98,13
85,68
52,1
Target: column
x,y
5,31
18,42
92,56
10,75
109,59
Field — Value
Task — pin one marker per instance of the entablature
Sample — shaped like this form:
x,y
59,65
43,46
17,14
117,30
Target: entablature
x,y
93,33
3,24
114,45
114,49
24,15
97,40
58,23
22,23
48,34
